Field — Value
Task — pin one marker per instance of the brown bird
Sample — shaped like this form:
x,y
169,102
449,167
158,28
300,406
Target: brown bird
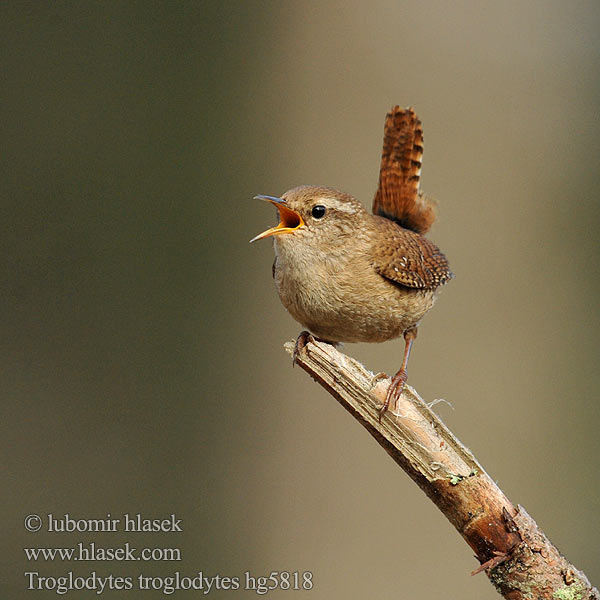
x,y
349,276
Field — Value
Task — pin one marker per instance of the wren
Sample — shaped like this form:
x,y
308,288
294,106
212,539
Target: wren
x,y
351,276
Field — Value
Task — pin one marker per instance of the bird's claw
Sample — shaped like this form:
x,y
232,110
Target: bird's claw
x,y
302,340
394,391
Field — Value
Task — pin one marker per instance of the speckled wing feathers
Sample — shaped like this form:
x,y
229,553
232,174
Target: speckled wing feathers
x,y
408,258
398,197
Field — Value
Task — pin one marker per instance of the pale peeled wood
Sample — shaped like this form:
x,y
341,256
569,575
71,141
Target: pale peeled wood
x,y
517,557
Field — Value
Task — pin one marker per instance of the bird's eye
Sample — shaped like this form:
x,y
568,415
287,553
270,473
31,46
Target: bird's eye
x,y
318,211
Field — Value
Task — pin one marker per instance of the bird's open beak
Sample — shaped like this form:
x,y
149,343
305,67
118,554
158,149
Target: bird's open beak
x,y
289,220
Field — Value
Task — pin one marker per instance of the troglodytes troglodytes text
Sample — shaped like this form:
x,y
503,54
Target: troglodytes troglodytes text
x,y
349,276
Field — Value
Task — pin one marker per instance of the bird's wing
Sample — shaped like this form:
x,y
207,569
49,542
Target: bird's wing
x,y
398,197
408,258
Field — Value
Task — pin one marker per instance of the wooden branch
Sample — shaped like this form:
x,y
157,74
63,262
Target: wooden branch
x,y
517,557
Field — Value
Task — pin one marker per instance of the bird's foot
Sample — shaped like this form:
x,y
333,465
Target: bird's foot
x,y
377,378
302,340
394,391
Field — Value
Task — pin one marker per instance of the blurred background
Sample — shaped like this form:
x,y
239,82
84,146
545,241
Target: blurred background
x,y
143,368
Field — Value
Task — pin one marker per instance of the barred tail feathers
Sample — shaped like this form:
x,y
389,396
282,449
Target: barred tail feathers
x,y
398,197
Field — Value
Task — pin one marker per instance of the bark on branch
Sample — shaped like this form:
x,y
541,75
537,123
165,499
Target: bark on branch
x,y
514,553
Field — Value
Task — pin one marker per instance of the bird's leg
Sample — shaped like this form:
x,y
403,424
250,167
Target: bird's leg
x,y
399,379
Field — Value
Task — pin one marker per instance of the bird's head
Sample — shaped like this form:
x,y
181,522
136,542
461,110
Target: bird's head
x,y
315,216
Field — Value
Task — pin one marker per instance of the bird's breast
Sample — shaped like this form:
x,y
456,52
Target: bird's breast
x,y
340,297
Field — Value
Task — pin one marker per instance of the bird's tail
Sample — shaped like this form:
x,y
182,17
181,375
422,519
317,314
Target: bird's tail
x,y
398,196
